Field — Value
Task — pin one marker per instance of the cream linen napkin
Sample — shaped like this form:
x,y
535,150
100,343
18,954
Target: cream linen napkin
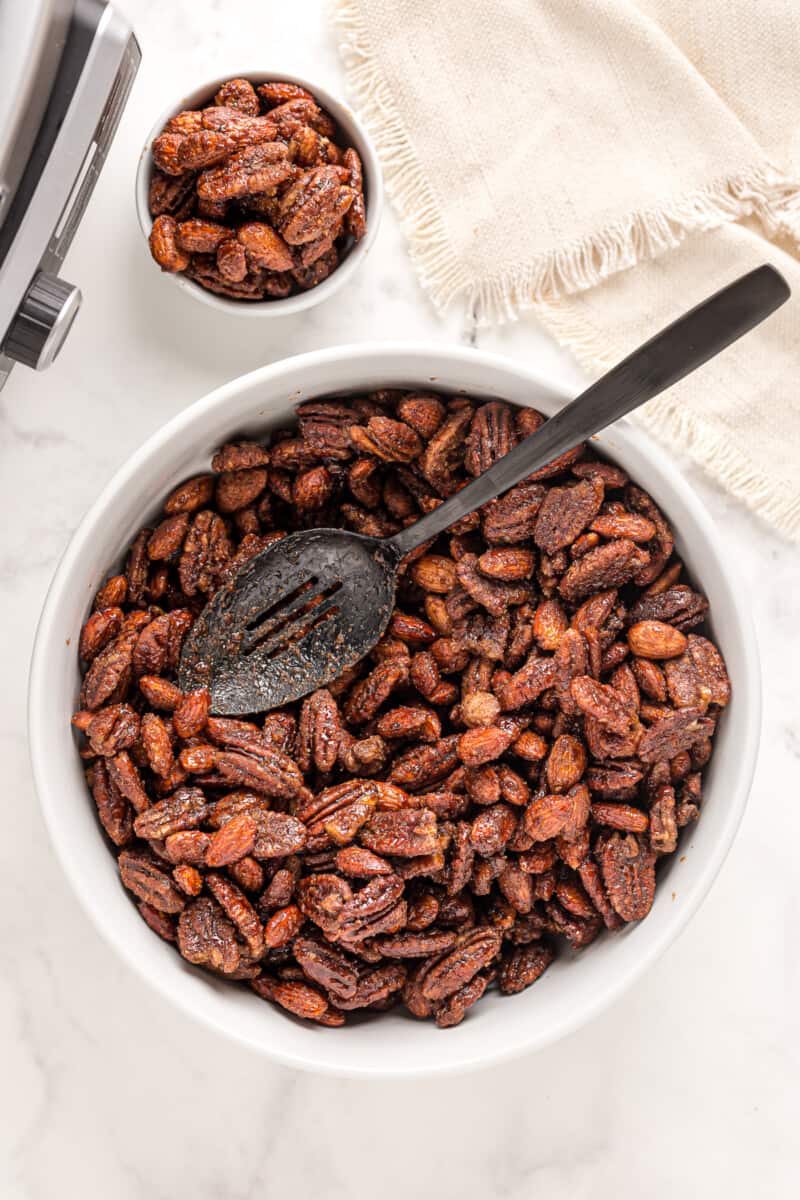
x,y
537,149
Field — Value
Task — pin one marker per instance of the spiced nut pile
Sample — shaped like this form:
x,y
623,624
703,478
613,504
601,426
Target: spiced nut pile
x,y
253,197
501,774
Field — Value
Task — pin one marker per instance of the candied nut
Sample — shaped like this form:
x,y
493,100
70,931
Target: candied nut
x,y
547,817
424,413
188,879
566,763
530,746
512,518
392,441
198,236
264,247
171,194
310,276
495,596
165,151
313,204
528,683
620,816
300,999
204,148
624,524
157,745
207,938
239,910
112,729
492,435
484,743
608,566
411,629
377,989
187,846
663,821
164,245
124,776
142,876
474,951
168,537
113,808
99,629
360,863
233,841
565,513
239,489
444,451
109,675
186,808
332,969
604,704
416,945
655,639
160,923
319,732
523,965
408,722
279,834
492,829
479,709
356,218
254,169
114,591
629,876
698,677
238,94
191,713
206,552
678,606
377,908
405,833
663,542
506,563
434,573
673,733
368,695
231,260
191,495
279,93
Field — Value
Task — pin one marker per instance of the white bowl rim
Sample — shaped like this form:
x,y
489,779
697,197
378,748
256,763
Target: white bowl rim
x,y
374,193
48,638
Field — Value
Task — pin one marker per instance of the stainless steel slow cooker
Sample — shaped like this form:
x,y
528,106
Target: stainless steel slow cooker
x,y
66,68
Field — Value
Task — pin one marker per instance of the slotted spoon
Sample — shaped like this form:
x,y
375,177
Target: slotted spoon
x,y
303,610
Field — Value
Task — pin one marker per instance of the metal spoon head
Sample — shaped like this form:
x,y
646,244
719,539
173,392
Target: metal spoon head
x,y
291,620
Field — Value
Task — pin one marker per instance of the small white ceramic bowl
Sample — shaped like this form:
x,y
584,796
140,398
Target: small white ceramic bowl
x,y
353,134
575,988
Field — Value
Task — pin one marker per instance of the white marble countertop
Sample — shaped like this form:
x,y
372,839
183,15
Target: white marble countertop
x,y
690,1085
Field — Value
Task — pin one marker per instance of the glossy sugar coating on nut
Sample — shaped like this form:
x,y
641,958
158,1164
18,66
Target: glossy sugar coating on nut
x,y
498,777
252,197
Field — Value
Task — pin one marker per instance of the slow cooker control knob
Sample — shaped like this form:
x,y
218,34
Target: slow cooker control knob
x,y
42,322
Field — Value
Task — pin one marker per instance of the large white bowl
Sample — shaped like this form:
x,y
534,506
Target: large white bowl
x,y
574,989
353,134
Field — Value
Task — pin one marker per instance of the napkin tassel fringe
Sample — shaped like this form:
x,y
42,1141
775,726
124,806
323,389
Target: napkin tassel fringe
x,y
761,192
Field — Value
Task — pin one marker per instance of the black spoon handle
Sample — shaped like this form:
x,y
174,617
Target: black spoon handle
x,y
669,356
